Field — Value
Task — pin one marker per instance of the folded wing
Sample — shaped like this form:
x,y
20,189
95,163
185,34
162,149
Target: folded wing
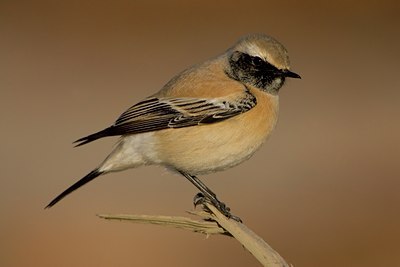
x,y
154,114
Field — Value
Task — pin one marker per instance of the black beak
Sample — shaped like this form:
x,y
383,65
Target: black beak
x,y
290,74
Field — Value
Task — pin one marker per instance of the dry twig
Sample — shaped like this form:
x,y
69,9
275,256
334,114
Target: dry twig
x,y
213,222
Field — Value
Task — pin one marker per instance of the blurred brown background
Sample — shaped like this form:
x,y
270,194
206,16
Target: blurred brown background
x,y
323,191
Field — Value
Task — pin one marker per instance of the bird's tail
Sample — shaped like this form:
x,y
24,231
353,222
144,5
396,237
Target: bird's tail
x,y
90,176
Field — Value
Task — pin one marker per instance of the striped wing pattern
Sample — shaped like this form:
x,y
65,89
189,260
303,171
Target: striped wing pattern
x,y
153,114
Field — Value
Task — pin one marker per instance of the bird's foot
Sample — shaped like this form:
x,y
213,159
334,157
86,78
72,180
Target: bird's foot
x,y
200,199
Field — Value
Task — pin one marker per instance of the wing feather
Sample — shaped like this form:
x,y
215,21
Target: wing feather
x,y
154,114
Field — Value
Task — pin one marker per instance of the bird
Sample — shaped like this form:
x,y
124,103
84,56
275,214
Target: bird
x,y
208,118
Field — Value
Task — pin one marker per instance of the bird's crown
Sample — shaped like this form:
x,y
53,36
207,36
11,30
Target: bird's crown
x,y
265,47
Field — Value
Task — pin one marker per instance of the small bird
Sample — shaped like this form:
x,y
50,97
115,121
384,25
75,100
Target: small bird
x,y
208,118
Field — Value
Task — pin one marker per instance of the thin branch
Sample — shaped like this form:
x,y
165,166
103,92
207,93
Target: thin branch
x,y
213,222
204,227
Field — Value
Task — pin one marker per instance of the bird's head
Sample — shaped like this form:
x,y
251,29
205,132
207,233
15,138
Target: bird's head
x,y
260,61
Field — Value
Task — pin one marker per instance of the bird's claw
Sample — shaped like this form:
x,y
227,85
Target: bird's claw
x,y
200,199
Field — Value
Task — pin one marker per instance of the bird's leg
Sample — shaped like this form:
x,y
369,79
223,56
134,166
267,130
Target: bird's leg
x,y
206,192
208,195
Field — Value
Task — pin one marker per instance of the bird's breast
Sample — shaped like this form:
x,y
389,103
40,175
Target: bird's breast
x,y
213,147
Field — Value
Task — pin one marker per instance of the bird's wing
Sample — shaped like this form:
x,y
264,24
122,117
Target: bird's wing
x,y
155,114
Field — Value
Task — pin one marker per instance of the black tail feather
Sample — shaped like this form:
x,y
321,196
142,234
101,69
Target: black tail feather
x,y
93,174
90,138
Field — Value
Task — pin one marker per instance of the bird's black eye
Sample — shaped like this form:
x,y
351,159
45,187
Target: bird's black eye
x,y
257,61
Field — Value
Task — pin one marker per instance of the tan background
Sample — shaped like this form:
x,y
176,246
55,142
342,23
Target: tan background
x,y
323,191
